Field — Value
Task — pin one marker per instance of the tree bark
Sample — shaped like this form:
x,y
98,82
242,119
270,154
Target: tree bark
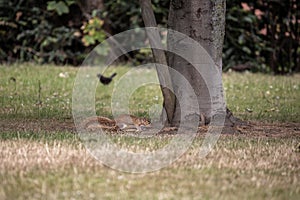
x,y
87,6
160,58
203,21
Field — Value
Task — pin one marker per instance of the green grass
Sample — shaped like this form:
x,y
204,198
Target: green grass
x,y
39,92
262,97
263,163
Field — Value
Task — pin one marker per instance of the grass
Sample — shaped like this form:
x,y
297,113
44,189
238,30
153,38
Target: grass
x,y
237,168
262,97
40,92
39,136
263,163
37,92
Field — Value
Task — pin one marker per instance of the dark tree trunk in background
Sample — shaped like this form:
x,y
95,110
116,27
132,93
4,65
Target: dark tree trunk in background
x,y
87,6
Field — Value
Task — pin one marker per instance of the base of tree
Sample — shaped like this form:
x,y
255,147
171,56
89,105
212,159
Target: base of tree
x,y
231,125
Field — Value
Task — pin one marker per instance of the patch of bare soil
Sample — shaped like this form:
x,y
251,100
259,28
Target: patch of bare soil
x,y
271,129
254,129
37,125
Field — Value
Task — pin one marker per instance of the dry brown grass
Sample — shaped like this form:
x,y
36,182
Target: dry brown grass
x,y
25,155
239,167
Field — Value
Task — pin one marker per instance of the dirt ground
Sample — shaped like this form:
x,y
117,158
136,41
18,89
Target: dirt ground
x,y
254,129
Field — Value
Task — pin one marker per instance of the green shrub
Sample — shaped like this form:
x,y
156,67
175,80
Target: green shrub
x,y
263,35
40,31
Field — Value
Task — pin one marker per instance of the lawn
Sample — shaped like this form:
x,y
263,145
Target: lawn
x,y
31,91
42,157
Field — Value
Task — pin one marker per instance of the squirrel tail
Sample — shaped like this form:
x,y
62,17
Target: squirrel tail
x,y
98,122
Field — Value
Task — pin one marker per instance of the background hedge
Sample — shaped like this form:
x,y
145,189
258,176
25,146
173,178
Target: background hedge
x,y
261,35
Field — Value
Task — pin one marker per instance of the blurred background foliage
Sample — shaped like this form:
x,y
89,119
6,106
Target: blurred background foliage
x,y
261,35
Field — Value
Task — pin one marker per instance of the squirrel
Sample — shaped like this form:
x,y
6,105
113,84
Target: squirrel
x,y
123,122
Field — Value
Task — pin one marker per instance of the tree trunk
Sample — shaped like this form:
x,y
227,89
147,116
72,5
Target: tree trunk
x,y
87,6
203,21
160,58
